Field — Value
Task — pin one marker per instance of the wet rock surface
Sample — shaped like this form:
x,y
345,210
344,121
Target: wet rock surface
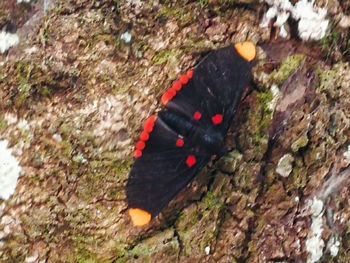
x,y
87,73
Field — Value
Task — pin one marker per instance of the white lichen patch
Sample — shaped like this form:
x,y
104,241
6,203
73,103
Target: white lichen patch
x,y
23,1
276,94
207,250
57,137
312,22
21,129
10,118
8,224
314,242
33,258
347,155
23,125
285,165
7,40
333,245
126,37
9,171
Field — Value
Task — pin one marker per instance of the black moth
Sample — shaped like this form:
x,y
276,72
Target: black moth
x,y
175,145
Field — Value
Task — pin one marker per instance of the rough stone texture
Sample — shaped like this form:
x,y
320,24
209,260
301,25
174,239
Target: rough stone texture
x,y
83,93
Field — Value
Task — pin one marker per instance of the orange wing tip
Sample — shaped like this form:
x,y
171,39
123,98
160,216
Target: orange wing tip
x,y
246,50
139,217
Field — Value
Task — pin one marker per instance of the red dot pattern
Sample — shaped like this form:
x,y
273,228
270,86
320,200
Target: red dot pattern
x,y
190,74
149,124
217,119
176,87
144,136
180,143
197,115
140,145
184,79
191,161
137,153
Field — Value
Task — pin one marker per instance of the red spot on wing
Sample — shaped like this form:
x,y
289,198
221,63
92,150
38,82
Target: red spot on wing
x,y
217,119
190,73
197,115
191,160
144,136
171,92
149,123
166,98
184,79
180,143
140,145
176,87
137,154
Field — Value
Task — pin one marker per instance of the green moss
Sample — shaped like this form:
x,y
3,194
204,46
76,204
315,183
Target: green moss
x,y
330,40
33,81
261,121
182,14
264,99
67,149
298,177
93,182
244,180
3,123
203,3
287,68
254,133
327,78
163,244
24,88
197,226
195,44
66,129
301,142
165,56
121,250
122,168
45,32
82,253
230,162
334,42
211,201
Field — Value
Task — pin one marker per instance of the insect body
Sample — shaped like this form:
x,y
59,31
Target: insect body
x,y
175,145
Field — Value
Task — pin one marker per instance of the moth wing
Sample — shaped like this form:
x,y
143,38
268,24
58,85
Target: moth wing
x,y
216,88
162,172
